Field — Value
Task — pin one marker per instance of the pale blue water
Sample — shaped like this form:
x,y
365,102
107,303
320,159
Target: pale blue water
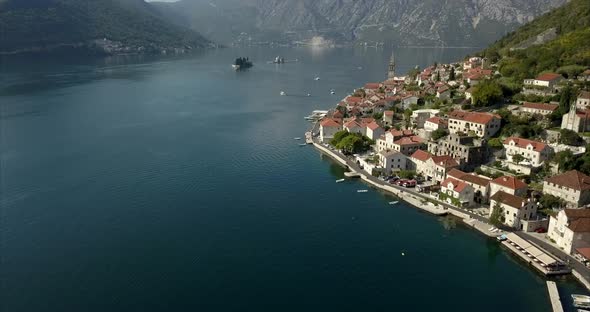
x,y
174,184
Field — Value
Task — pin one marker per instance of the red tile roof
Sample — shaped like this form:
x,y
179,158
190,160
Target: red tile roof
x,y
479,118
456,173
548,77
421,155
372,86
509,199
458,186
388,113
584,251
353,99
581,225
330,123
524,143
373,126
572,179
353,124
413,140
541,106
445,161
510,182
437,120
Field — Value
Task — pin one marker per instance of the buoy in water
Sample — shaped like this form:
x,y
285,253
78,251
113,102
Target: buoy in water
x,y
403,254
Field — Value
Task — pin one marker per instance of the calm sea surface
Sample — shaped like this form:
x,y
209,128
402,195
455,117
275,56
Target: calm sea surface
x,y
174,184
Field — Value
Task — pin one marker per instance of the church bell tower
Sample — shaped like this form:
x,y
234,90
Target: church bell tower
x,y
391,70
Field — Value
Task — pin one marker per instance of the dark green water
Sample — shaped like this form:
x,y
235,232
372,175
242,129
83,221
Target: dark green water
x,y
174,184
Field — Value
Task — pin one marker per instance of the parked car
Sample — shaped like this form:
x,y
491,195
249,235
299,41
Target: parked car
x,y
409,183
400,181
541,230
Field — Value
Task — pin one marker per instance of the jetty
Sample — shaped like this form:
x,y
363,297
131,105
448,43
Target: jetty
x,y
554,297
535,256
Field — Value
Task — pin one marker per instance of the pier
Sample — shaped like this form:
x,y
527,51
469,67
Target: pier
x,y
534,256
554,297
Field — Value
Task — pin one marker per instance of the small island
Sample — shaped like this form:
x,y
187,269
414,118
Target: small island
x,y
242,63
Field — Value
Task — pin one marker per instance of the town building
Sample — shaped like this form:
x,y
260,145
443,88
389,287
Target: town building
x,y
538,108
456,192
420,116
417,161
435,123
328,128
534,153
483,125
469,151
392,161
437,167
544,84
570,229
480,184
573,187
515,209
510,185
388,118
374,131
576,120
354,126
408,145
583,100
387,141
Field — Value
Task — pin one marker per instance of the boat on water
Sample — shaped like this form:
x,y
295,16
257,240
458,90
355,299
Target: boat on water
x,y
362,191
340,180
317,79
283,93
316,115
242,63
297,138
303,144
582,310
279,60
581,301
393,202
332,91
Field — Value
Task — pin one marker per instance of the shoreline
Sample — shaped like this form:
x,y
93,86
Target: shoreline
x,y
415,202
413,199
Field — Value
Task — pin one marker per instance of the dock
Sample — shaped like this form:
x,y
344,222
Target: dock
x,y
535,256
554,297
352,175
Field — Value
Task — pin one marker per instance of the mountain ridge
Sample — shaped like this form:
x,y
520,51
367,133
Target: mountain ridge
x,y
92,26
400,22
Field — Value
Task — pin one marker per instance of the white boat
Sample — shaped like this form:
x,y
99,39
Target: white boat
x,y
303,144
340,180
297,138
581,301
582,310
283,93
316,78
393,202
332,91
362,191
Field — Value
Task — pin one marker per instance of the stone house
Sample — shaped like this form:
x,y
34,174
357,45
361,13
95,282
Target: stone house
x,y
573,187
515,208
570,229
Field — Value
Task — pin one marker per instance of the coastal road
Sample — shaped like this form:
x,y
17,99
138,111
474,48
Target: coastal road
x,y
355,167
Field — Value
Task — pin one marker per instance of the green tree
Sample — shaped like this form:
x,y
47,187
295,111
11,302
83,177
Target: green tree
x,y
437,77
497,217
495,143
378,116
549,201
439,133
487,93
517,158
452,75
407,174
338,137
565,160
569,137
350,144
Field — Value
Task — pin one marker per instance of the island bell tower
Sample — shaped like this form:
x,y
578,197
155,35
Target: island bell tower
x,y
391,70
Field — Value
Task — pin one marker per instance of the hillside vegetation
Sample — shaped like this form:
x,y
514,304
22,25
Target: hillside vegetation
x,y
40,25
568,54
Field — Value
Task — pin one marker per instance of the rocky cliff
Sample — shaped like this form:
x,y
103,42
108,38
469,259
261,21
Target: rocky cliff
x,y
402,22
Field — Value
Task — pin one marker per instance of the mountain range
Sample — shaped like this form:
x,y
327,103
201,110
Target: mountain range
x,y
399,22
91,26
